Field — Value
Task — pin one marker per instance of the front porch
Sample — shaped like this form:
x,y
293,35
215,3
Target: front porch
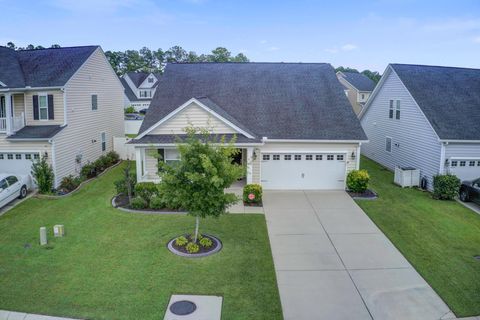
x,y
12,112
147,159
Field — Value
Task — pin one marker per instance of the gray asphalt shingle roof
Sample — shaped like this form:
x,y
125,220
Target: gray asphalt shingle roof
x,y
274,100
138,77
36,132
172,138
359,81
41,68
129,93
448,96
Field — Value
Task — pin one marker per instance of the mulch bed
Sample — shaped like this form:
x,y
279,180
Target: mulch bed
x,y
252,204
202,249
368,195
121,200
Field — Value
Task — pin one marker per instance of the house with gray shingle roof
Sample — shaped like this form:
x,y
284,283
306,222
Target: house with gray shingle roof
x,y
426,117
64,104
357,87
139,88
292,121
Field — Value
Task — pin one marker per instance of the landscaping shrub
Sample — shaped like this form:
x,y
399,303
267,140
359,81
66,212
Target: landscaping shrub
x,y
252,189
70,183
129,109
446,186
139,203
206,242
43,175
101,164
88,171
146,190
156,202
192,247
181,241
112,158
357,181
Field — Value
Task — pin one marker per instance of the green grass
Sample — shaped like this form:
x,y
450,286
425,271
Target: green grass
x,y
439,238
131,135
115,265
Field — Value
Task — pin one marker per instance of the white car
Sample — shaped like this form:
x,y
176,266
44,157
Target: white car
x,y
13,186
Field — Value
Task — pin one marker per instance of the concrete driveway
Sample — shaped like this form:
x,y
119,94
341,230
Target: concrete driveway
x,y
332,262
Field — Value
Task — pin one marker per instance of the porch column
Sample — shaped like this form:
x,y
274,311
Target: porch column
x,y
249,165
139,158
8,109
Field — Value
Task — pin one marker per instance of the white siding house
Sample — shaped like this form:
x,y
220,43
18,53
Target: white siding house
x,y
401,134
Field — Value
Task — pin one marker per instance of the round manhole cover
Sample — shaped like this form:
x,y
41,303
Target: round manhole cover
x,y
182,308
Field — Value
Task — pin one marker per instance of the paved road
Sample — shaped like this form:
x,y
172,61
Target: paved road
x,y
332,262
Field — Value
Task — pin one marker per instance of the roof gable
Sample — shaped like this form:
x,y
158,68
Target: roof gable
x,y
449,97
274,100
359,81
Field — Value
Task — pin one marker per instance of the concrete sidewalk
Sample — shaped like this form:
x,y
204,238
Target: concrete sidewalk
x,y
332,262
12,315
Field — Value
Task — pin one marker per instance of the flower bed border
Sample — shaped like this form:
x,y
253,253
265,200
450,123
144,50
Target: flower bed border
x,y
143,211
373,195
172,249
49,196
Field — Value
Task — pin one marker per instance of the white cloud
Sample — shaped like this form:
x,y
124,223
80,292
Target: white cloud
x,y
273,48
476,39
349,47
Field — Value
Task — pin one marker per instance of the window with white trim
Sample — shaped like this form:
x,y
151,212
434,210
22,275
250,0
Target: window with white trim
x,y
36,156
390,112
388,144
1,156
276,157
43,106
94,102
340,157
266,157
10,156
18,156
454,163
463,163
309,157
478,163
397,110
298,157
103,139
172,156
319,157
330,157
28,156
471,164
287,157
150,80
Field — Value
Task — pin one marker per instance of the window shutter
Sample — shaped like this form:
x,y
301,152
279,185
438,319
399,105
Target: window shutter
x,y
35,108
50,107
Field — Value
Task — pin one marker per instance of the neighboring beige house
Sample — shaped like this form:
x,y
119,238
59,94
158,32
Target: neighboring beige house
x,y
292,121
357,87
139,88
63,104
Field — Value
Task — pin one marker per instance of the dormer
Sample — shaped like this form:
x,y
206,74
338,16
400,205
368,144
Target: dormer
x,y
149,81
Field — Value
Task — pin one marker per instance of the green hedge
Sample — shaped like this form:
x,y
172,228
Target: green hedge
x,y
357,181
446,186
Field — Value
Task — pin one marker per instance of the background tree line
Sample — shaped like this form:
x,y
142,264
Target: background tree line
x,y
148,60
374,75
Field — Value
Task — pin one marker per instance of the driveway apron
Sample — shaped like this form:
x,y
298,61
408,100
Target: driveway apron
x,y
332,262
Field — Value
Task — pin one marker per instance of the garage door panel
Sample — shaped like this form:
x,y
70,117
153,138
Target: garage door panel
x,y
17,162
316,171
465,169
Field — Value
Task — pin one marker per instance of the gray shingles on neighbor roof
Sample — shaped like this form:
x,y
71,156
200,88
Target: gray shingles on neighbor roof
x,y
129,93
359,81
41,68
36,132
448,96
138,77
274,100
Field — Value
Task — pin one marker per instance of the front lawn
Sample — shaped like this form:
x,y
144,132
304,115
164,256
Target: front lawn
x,y
439,238
115,265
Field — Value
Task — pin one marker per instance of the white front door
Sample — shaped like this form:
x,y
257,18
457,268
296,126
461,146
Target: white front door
x,y
303,171
465,169
17,162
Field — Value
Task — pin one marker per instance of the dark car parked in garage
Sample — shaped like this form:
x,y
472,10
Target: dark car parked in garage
x,y
470,191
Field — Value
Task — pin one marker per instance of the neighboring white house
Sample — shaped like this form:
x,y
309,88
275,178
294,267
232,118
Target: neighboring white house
x,y
426,117
62,103
139,89
357,87
293,122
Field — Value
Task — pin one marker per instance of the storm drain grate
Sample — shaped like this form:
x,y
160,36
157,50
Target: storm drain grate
x,y
182,308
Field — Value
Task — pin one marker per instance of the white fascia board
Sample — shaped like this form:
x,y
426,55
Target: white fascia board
x,y
186,104
161,145
311,141
459,141
30,89
303,151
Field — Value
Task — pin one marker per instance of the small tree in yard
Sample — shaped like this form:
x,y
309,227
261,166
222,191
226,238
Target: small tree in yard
x,y
127,184
199,180
43,175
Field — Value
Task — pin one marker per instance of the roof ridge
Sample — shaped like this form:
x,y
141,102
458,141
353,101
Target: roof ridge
x,y
43,49
433,66
250,62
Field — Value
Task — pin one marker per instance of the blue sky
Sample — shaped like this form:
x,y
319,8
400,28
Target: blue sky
x,y
360,34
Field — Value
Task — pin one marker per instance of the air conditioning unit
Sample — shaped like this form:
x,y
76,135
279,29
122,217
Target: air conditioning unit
x,y
407,177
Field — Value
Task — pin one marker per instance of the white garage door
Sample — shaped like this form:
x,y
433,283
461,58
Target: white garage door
x,y
465,169
300,171
19,163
